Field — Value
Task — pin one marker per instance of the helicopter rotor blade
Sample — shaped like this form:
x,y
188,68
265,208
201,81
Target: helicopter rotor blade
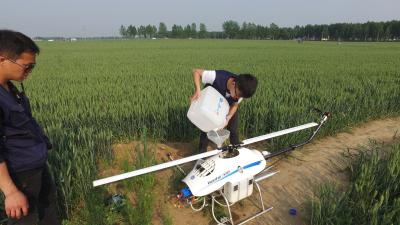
x,y
154,168
278,133
198,156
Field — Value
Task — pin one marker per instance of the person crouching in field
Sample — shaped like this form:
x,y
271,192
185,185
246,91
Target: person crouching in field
x,y
29,191
233,87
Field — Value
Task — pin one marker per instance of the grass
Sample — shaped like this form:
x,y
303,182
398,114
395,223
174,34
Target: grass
x,y
142,212
373,193
97,210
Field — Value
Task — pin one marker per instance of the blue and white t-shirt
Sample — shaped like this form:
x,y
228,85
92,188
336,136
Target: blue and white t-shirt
x,y
218,79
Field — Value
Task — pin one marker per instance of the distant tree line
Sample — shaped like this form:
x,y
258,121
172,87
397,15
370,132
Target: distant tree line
x,y
369,31
177,31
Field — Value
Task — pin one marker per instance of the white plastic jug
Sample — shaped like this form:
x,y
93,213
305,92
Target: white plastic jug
x,y
209,111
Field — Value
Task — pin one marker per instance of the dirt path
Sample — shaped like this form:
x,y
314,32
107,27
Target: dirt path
x,y
319,162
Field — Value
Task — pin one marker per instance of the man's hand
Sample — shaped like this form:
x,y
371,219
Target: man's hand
x,y
195,96
16,204
228,117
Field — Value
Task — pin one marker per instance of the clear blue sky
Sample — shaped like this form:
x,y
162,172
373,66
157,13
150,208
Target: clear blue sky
x,y
71,18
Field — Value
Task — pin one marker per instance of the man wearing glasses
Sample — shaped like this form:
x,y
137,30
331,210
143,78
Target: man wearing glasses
x,y
29,191
233,87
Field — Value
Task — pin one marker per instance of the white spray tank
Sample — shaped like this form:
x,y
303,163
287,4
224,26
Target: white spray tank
x,y
209,111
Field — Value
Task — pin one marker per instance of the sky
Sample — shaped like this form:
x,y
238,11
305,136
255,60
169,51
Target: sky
x,y
90,18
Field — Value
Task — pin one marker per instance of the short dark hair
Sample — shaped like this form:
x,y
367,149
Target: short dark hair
x,y
13,44
247,85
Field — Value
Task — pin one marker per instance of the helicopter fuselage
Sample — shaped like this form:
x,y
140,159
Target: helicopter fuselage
x,y
227,169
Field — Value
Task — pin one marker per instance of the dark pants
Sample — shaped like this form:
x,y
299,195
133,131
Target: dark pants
x,y
233,136
39,188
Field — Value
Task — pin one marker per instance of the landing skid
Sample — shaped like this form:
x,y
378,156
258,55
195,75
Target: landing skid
x,y
226,220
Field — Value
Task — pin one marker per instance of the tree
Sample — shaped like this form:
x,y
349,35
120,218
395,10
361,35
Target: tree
x,y
154,31
325,32
243,32
203,31
177,31
357,32
193,30
122,31
231,28
150,31
274,31
373,30
387,31
142,31
252,30
260,32
298,32
395,29
187,31
131,31
162,30
380,31
308,31
284,33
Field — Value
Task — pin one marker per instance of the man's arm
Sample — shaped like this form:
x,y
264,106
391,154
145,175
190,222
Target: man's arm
x,y
232,110
15,201
7,186
197,73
